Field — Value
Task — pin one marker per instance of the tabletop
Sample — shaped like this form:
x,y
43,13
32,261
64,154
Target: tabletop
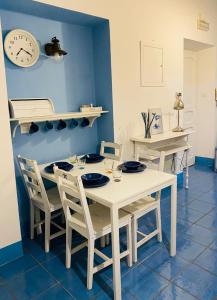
x,y
167,135
120,193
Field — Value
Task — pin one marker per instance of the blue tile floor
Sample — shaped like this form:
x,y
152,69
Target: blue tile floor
x,y
192,274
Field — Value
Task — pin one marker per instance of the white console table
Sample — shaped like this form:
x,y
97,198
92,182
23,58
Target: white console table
x,y
161,145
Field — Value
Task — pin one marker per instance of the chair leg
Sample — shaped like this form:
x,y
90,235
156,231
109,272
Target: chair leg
x,y
107,239
47,231
38,219
158,221
134,238
102,241
63,220
68,246
32,220
129,244
90,262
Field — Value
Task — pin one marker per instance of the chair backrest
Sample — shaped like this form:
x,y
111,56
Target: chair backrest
x,y
33,181
116,149
73,199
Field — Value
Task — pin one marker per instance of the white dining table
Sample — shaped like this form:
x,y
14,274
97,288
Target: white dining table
x,y
116,195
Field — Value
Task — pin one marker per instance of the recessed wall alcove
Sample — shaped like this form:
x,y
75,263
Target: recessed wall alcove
x,y
84,76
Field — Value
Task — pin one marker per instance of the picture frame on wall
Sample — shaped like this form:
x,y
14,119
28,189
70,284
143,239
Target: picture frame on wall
x,y
157,124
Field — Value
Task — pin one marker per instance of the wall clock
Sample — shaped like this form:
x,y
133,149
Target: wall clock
x,y
21,48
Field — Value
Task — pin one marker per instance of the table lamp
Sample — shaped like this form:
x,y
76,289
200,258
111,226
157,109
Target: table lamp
x,y
178,105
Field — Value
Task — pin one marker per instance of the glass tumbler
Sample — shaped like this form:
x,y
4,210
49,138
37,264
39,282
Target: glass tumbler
x,y
81,162
117,174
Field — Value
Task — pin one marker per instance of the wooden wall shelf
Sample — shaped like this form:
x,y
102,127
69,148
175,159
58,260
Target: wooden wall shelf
x,y
25,122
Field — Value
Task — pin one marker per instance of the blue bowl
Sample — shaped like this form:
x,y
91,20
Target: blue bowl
x,y
132,165
63,165
93,158
92,177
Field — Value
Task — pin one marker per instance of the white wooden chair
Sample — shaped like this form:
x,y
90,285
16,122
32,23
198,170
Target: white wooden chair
x,y
47,201
138,209
116,155
117,150
92,222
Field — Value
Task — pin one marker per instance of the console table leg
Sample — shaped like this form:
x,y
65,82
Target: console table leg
x,y
187,170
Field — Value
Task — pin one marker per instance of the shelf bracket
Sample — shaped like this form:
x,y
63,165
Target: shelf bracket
x,y
91,120
14,128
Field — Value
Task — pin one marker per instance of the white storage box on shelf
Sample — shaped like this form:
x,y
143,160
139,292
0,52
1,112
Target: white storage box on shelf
x,y
25,111
91,108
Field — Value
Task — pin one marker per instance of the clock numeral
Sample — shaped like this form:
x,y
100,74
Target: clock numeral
x,y
12,42
30,44
15,38
20,37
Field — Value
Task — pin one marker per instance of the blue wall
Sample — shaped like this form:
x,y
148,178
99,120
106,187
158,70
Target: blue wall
x,y
103,78
69,83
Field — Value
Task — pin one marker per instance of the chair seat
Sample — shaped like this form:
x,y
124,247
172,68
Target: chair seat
x,y
141,205
54,198
100,216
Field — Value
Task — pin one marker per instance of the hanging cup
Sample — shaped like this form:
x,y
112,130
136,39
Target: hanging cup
x,y
74,123
85,122
61,125
33,128
48,125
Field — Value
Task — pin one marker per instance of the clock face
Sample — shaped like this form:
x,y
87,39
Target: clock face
x,y
21,48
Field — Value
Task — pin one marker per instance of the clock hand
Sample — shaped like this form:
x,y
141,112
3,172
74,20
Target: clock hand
x,y
19,51
27,52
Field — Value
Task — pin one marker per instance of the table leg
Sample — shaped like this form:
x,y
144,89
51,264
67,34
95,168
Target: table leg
x,y
116,253
173,218
134,150
186,170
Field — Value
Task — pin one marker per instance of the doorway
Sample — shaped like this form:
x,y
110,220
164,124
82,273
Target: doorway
x,y
199,79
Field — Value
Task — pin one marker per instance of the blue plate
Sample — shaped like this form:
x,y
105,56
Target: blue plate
x,y
63,165
132,165
102,182
124,169
93,158
92,177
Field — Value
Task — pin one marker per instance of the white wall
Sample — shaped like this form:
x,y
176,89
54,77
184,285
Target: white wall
x,y
166,22
206,110
9,218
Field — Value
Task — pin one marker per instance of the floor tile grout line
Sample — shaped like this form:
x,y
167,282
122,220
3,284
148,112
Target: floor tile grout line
x,y
171,279
20,273
44,291
189,238
56,284
186,291
172,283
208,271
57,281
135,265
